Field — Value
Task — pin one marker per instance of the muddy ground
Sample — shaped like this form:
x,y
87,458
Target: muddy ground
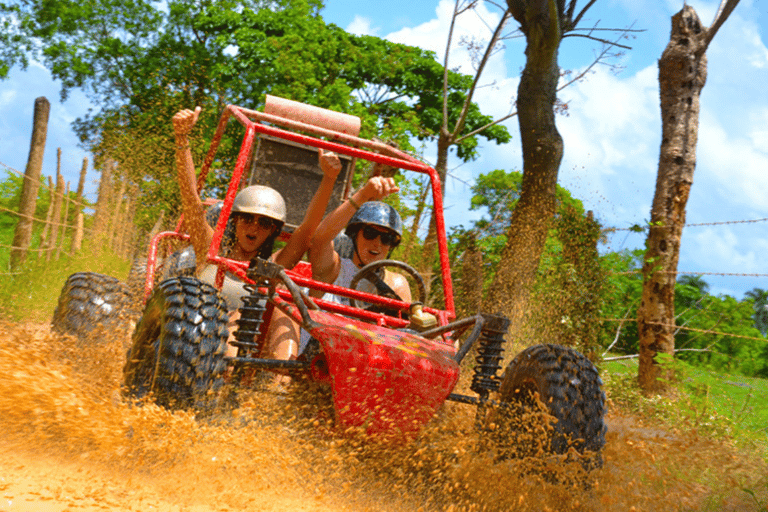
x,y
70,443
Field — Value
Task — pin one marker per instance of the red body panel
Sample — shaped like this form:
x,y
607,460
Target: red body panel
x,y
385,382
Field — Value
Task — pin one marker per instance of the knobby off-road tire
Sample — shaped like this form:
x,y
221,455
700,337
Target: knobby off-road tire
x,y
137,276
178,347
89,302
563,383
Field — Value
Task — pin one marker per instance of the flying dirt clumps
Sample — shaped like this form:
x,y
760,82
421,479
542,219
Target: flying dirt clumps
x,y
70,441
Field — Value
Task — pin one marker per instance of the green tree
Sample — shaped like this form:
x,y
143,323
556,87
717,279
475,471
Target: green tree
x,y
144,62
545,24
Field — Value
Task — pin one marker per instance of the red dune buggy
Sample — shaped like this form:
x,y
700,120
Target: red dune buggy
x,y
387,373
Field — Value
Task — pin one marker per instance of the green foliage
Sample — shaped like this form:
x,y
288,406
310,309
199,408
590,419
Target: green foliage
x,y
623,287
146,62
569,284
741,353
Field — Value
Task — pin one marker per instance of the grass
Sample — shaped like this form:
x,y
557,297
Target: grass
x,y
718,404
31,293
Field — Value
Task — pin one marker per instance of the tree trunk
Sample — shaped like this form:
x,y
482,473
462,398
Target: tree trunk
x,y
444,142
31,184
682,74
542,152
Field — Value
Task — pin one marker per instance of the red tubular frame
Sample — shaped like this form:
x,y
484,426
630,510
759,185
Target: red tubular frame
x,y
253,121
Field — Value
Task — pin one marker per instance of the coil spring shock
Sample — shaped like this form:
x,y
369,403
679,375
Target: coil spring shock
x,y
249,324
489,355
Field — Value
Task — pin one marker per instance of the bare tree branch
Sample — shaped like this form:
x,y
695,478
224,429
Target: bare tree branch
x,y
444,127
600,40
725,10
488,52
493,123
576,21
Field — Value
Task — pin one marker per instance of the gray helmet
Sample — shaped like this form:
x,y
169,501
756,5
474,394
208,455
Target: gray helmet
x,y
376,213
260,200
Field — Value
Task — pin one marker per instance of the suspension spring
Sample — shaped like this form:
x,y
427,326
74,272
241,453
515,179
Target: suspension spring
x,y
249,324
489,355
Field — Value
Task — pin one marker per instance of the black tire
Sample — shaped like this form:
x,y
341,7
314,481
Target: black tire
x,y
178,346
90,301
562,383
137,276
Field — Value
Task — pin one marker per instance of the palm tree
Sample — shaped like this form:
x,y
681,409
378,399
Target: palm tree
x,y
698,287
760,297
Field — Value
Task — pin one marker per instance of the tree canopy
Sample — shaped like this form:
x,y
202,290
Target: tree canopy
x,y
142,60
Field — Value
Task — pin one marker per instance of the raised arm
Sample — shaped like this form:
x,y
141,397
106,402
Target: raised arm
x,y
299,242
194,210
324,259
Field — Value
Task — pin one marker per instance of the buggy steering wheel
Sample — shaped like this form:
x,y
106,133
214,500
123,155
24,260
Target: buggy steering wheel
x,y
370,273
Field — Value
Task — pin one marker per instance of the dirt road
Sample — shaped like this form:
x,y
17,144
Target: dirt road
x,y
70,443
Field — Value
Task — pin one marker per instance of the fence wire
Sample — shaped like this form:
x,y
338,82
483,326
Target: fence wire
x,y
43,184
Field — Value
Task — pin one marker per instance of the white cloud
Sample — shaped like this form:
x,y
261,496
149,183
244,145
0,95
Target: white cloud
x,y
757,128
7,97
362,26
432,35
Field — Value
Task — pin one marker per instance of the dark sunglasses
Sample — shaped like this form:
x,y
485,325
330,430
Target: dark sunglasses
x,y
263,222
387,237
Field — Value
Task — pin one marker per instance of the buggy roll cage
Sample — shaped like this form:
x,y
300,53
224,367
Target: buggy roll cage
x,y
341,143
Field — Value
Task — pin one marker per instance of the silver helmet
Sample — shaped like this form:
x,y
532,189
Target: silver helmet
x,y
260,200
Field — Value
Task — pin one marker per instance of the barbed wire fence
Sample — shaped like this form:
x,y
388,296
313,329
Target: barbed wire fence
x,y
67,222
63,229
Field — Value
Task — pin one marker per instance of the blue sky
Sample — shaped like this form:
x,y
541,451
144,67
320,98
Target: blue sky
x,y
611,134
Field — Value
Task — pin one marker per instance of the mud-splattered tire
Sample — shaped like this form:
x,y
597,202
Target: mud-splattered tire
x,y
90,301
137,276
567,385
178,346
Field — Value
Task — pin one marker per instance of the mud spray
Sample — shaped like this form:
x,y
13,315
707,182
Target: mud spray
x,y
70,442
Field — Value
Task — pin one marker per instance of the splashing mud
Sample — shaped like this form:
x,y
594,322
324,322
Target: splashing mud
x,y
71,443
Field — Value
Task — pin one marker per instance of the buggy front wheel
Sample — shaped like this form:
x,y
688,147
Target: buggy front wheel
x,y
178,346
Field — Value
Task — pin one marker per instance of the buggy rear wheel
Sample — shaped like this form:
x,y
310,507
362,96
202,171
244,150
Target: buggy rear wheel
x,y
562,383
90,301
179,346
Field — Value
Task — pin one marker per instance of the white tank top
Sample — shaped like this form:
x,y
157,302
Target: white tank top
x,y
233,289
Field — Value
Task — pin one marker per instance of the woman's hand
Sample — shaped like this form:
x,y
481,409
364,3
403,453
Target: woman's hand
x,y
184,120
378,188
329,163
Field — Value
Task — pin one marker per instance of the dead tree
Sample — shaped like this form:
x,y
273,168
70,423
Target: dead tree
x,y
682,74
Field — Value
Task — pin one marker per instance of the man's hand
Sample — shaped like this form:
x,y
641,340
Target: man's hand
x,y
329,163
379,187
184,120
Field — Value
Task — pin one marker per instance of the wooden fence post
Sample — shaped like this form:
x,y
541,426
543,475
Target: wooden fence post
x,y
56,217
101,216
64,222
77,239
47,226
116,223
77,236
31,183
